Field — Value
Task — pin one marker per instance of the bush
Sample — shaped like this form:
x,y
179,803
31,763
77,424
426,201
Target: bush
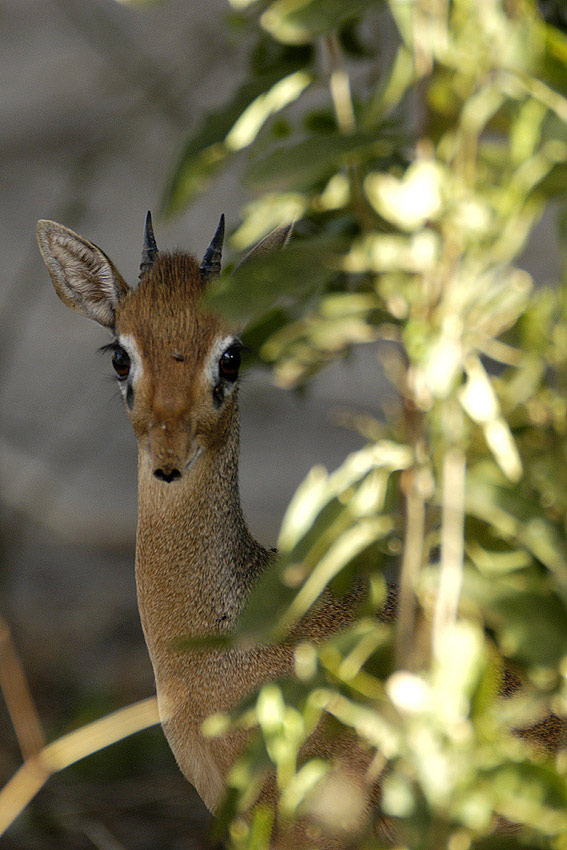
x,y
417,146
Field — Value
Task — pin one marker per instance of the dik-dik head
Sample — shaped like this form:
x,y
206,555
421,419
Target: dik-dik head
x,y
176,362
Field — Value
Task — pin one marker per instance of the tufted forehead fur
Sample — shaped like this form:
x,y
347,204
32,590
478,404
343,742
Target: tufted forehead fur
x,y
165,313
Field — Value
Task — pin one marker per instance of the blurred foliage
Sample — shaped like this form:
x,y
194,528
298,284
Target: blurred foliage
x,y
417,145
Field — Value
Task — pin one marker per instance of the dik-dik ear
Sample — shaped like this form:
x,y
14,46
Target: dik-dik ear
x,y
83,276
274,241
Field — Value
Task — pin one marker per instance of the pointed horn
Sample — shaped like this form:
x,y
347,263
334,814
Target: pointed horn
x,y
150,249
211,265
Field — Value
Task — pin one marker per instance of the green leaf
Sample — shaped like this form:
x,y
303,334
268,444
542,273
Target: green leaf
x,y
331,520
498,562
532,626
517,518
531,794
301,21
281,94
300,164
418,240
410,202
526,615
205,152
319,489
261,827
347,547
262,281
270,211
390,92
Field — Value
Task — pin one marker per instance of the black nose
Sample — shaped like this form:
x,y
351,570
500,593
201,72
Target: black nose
x,y
168,477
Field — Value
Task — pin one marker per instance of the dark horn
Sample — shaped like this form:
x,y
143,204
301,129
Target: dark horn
x,y
211,265
150,249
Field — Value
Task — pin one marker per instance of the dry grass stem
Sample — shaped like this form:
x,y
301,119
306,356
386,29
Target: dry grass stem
x,y
19,702
72,747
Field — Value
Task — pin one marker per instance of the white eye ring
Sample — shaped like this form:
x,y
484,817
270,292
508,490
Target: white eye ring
x,y
213,370
127,344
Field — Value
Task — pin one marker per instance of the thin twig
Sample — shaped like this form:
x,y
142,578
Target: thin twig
x,y
411,564
341,96
452,546
339,84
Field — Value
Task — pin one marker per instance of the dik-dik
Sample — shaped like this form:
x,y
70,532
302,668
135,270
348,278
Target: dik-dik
x,y
177,367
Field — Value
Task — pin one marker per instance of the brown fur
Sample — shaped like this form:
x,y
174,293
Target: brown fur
x,y
196,561
174,335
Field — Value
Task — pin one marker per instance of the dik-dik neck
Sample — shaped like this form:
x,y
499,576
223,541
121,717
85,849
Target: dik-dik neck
x,y
195,558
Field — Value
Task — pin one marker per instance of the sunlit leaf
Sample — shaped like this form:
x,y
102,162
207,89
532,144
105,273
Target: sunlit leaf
x,y
443,362
282,93
479,400
534,793
264,215
501,442
346,548
304,781
412,201
206,151
456,672
300,21
335,195
319,488
478,396
389,252
398,798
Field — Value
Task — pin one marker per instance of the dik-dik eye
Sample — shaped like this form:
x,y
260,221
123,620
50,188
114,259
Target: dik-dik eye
x,y
229,364
121,362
